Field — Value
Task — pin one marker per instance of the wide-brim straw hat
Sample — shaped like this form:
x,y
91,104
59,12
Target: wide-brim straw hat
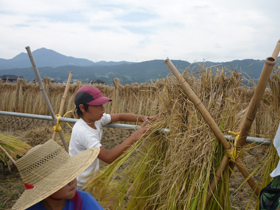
x,y
48,168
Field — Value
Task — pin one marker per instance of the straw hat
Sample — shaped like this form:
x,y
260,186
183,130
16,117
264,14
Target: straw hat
x,y
48,168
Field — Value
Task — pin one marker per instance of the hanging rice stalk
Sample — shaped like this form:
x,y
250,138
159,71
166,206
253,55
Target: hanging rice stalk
x,y
14,147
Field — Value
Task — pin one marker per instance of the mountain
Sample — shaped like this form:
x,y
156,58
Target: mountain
x,y
127,73
52,64
49,58
251,67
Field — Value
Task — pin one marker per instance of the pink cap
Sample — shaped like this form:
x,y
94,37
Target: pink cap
x,y
91,96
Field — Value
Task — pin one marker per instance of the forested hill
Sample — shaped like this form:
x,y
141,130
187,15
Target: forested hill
x,y
127,72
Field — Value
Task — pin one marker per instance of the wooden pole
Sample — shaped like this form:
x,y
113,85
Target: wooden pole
x,y
8,155
198,104
250,116
255,101
264,77
63,99
219,172
217,177
44,93
208,119
245,174
274,55
276,50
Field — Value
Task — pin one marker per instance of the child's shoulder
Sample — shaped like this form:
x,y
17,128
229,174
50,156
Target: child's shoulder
x,y
80,124
106,118
84,195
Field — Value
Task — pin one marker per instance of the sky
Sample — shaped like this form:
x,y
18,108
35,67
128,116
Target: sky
x,y
136,31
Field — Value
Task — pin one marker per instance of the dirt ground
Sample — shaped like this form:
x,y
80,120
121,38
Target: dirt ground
x,y
35,132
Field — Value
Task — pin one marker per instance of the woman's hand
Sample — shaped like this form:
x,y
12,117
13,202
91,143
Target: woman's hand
x,y
142,131
153,117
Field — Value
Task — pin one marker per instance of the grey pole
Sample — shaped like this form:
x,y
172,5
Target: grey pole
x,y
73,120
262,141
44,93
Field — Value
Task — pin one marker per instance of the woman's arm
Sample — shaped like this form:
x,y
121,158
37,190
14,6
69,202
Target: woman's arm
x,y
129,117
108,156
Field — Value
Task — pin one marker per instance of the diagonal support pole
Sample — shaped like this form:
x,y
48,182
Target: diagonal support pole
x,y
274,55
44,93
255,101
197,102
276,50
248,119
250,114
63,99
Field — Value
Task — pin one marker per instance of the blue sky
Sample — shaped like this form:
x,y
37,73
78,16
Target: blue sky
x,y
144,30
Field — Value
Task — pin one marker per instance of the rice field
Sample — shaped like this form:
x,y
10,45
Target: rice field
x,y
172,170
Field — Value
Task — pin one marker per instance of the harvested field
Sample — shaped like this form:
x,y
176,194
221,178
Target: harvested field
x,y
11,186
38,132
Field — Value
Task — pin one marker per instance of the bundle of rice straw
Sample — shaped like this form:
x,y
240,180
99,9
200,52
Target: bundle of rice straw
x,y
13,146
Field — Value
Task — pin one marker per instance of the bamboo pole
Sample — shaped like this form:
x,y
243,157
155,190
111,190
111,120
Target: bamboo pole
x,y
274,55
63,99
248,119
8,155
276,50
198,104
255,101
217,177
44,92
250,116
245,174
208,119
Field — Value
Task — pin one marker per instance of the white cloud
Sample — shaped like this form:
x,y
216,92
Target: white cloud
x,y
141,30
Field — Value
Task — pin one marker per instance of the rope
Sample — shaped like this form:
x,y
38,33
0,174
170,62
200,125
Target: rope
x,y
233,153
57,127
66,114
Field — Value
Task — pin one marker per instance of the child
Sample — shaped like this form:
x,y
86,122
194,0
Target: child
x,y
49,175
87,131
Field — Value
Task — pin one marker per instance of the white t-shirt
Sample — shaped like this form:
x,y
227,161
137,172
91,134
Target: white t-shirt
x,y
276,143
84,137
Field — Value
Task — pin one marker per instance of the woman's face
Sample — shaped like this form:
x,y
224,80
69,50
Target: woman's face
x,y
67,192
94,113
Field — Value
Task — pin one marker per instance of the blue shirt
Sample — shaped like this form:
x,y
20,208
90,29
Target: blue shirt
x,y
88,203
